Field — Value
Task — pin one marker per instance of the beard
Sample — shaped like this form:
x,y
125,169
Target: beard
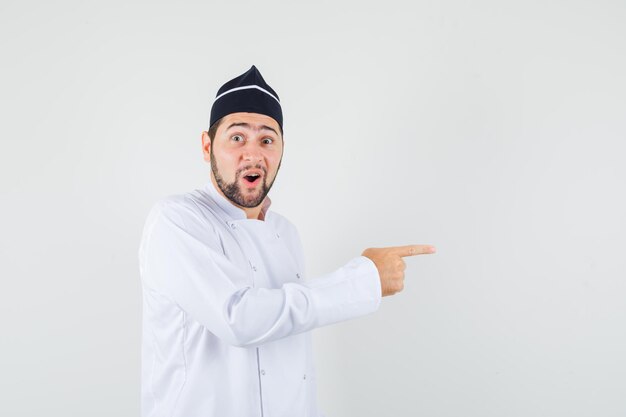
x,y
234,192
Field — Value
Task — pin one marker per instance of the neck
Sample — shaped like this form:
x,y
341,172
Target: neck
x,y
251,212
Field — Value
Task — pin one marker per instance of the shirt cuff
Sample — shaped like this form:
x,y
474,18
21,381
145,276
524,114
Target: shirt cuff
x,y
351,291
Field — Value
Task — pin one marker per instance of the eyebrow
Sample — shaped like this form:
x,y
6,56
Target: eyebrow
x,y
248,126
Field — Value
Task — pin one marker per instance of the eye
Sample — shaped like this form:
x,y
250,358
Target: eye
x,y
237,138
268,140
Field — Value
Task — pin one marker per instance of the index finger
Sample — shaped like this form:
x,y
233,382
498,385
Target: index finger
x,y
412,250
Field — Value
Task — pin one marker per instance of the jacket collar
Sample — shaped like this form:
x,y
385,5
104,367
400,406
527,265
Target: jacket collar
x,y
232,211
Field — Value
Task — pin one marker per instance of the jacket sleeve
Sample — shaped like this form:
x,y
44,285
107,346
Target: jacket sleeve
x,y
191,270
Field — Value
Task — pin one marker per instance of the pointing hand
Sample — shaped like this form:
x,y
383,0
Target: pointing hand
x,y
391,266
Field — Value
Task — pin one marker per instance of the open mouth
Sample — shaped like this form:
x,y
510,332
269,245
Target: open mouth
x,y
252,178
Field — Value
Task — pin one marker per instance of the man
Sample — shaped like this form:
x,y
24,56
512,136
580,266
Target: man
x,y
227,305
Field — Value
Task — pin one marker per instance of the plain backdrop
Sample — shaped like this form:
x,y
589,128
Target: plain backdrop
x,y
494,130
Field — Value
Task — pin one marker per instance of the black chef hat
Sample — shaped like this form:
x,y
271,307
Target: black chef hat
x,y
247,93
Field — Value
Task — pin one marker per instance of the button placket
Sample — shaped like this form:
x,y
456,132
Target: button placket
x,y
251,265
289,251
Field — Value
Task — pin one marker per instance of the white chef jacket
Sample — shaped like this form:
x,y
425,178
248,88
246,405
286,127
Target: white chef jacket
x,y
227,309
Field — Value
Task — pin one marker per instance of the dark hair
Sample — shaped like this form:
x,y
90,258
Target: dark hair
x,y
213,128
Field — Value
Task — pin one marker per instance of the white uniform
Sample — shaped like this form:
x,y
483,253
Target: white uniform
x,y
227,310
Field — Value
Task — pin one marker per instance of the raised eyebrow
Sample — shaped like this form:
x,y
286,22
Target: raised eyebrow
x,y
247,126
269,128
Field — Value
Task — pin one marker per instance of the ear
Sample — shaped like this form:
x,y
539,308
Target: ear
x,y
206,146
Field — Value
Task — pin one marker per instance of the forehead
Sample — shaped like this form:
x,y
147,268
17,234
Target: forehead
x,y
256,121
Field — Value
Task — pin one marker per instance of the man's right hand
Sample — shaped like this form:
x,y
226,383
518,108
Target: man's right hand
x,y
391,266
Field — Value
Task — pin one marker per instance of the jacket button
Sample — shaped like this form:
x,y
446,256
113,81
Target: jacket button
x,y
262,371
233,226
298,275
304,376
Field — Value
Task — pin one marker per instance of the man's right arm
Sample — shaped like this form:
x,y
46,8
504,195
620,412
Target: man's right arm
x,y
191,270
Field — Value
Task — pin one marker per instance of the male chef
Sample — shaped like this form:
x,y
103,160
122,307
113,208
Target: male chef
x,y
227,305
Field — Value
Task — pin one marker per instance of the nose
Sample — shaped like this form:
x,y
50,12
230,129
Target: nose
x,y
252,153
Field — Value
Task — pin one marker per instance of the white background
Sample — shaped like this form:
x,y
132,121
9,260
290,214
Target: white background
x,y
492,130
